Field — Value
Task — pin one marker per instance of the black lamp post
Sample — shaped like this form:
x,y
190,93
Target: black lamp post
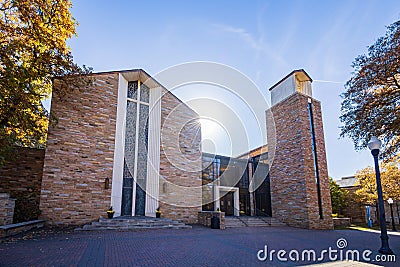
x,y
374,144
390,201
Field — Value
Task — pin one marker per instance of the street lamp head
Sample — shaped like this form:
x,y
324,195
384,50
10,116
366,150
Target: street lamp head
x,y
390,201
374,143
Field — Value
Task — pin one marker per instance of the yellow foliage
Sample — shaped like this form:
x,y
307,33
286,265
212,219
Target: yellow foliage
x,y
390,180
33,51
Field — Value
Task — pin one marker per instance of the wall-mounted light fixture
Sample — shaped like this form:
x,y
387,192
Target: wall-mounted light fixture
x,y
106,183
164,187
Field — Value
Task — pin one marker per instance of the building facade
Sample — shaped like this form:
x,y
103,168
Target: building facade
x,y
111,148
128,142
236,186
355,210
287,178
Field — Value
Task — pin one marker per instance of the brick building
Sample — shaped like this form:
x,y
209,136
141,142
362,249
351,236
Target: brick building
x,y
111,148
129,143
357,211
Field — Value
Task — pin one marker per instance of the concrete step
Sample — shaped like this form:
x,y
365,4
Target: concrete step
x,y
247,221
131,223
136,226
234,224
101,228
133,218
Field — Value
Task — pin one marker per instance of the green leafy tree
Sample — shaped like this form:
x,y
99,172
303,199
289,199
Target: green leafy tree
x,y
371,102
338,197
33,51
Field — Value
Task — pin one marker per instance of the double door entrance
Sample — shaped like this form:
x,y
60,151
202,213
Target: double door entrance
x,y
227,204
262,204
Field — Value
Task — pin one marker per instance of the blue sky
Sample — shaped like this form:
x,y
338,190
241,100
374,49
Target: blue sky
x,y
265,40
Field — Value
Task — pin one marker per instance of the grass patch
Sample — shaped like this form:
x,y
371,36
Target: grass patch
x,y
360,227
364,227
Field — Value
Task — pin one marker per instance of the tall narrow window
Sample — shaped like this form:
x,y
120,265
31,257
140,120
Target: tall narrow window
x,y
136,145
314,152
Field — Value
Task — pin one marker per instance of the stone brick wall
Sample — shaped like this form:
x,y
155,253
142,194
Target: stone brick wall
x,y
79,154
344,222
7,205
21,178
293,187
354,209
17,228
205,218
180,161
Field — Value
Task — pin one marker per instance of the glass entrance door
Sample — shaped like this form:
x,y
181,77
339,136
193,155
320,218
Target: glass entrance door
x,y
263,199
227,205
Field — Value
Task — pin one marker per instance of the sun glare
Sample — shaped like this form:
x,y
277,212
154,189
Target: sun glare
x,y
209,128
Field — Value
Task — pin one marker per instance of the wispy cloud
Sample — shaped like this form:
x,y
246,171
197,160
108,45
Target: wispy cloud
x,y
253,42
257,43
325,81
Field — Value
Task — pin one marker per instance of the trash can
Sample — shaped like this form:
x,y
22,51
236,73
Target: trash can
x,y
215,222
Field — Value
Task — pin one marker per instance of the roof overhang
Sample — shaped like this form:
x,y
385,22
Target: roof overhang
x,y
300,75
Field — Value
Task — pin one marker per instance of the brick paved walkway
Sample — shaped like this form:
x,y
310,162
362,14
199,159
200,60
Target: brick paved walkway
x,y
193,247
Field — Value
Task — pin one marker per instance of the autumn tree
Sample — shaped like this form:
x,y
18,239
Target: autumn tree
x,y
371,102
390,180
33,51
367,186
338,197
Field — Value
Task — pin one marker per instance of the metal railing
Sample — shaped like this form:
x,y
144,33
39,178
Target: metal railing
x,y
264,216
240,219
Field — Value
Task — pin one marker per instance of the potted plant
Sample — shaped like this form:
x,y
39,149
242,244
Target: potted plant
x,y
110,213
158,213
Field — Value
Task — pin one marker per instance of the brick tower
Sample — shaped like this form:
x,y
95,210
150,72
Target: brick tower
x,y
299,177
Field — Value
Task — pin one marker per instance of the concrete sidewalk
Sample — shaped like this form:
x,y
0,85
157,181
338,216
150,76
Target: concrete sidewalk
x,y
199,246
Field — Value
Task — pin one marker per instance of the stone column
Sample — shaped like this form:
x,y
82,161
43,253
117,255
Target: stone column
x,y
297,155
7,213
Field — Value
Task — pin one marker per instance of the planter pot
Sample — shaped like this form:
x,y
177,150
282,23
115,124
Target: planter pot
x,y
110,215
158,215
